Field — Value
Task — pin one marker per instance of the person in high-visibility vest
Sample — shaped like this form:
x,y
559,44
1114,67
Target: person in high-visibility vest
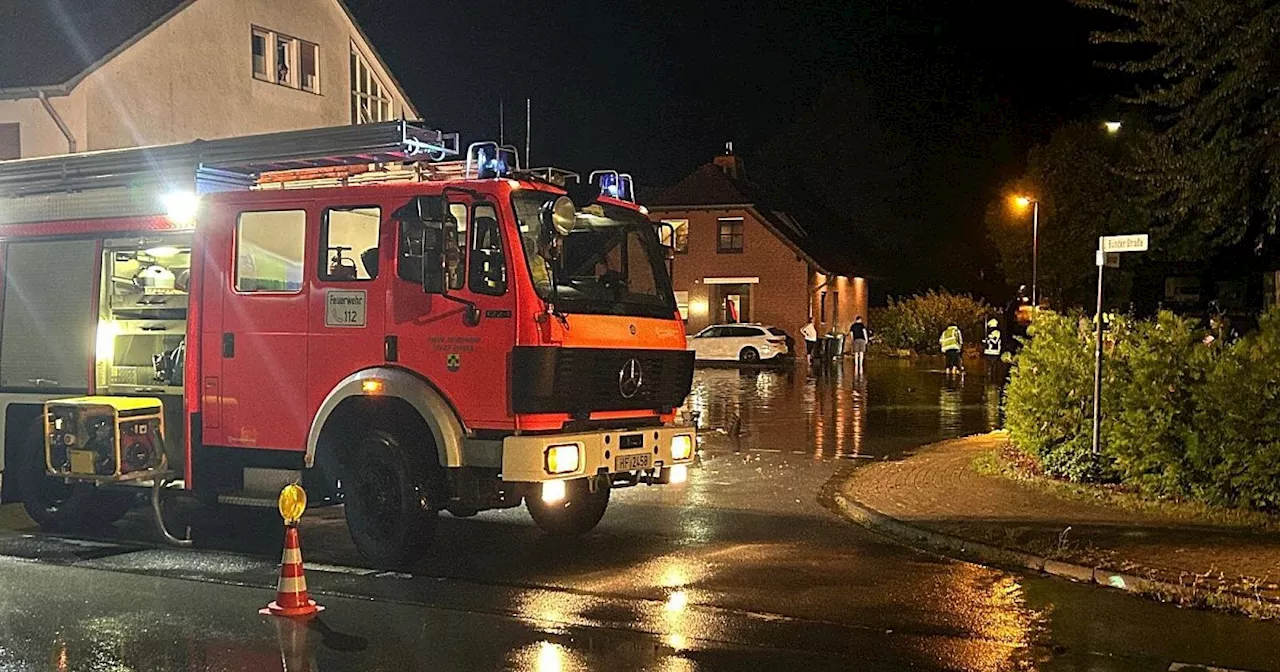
x,y
992,347
952,341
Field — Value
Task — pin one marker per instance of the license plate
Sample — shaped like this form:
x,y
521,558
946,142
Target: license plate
x,y
633,462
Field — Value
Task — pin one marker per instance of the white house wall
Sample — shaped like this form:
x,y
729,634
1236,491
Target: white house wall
x,y
39,135
192,78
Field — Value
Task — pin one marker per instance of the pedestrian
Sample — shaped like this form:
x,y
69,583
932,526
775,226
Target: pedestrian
x,y
992,348
952,341
810,334
860,335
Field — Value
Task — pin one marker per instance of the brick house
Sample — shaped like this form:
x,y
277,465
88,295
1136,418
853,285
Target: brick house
x,y
735,254
82,75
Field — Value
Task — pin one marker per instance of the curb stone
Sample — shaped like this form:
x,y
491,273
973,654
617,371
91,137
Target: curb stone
x,y
985,554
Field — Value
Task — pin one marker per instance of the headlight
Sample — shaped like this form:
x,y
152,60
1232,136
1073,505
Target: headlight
x,y
682,446
563,459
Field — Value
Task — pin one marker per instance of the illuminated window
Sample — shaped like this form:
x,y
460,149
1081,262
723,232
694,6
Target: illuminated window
x,y
730,235
370,101
457,264
349,239
681,228
682,303
269,251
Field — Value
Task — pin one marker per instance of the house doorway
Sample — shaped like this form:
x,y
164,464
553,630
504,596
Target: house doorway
x,y
732,303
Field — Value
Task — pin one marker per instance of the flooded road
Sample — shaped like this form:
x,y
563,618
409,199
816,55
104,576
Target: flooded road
x,y
837,413
744,567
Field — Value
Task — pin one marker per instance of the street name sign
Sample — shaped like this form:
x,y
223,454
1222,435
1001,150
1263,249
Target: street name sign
x,y
1134,242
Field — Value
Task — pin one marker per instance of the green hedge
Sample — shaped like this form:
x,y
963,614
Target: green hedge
x,y
1181,418
916,322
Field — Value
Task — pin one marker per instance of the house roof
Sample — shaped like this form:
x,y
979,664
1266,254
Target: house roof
x,y
710,187
52,43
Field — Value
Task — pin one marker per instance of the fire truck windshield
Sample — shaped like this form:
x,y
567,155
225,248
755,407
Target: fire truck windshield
x,y
611,263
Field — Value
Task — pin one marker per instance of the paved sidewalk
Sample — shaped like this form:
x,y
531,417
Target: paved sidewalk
x,y
938,489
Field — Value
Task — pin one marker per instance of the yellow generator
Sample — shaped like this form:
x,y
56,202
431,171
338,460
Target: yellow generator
x,y
104,438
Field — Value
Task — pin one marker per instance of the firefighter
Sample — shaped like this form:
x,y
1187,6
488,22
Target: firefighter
x,y
992,348
952,341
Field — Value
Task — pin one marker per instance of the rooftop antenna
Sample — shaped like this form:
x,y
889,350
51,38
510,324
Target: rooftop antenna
x,y
502,126
528,124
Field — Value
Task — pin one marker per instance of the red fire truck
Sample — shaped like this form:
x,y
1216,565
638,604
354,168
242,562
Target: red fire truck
x,y
405,327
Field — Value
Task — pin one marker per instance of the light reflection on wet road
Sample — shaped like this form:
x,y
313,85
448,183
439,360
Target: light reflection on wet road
x,y
744,567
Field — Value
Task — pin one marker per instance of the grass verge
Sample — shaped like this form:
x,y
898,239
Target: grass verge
x,y
1008,463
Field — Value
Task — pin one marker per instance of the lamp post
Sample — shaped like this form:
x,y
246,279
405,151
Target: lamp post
x,y
1024,201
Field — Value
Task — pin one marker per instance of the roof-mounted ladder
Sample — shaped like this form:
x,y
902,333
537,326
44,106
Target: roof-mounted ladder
x,y
229,163
133,182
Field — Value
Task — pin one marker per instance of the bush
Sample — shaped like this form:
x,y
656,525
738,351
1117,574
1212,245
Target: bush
x,y
1180,418
1235,449
915,323
1049,400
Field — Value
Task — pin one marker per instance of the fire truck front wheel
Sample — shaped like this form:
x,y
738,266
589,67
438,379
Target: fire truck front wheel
x,y
577,512
389,497
58,506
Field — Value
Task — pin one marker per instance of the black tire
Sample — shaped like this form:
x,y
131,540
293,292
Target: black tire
x,y
58,506
579,511
749,355
389,500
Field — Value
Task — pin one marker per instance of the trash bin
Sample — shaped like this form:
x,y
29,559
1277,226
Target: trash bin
x,y
833,346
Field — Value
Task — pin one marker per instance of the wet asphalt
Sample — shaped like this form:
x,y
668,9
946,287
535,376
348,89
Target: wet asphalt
x,y
744,567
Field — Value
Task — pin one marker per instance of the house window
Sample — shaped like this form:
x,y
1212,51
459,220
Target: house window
x,y
285,60
309,66
10,141
729,239
682,303
370,101
260,58
681,228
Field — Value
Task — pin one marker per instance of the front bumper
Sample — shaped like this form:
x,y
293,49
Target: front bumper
x,y
524,458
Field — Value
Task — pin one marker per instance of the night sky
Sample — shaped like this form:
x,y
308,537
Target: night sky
x,y
884,125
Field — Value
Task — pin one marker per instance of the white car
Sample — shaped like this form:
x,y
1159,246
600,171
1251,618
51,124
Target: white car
x,y
747,343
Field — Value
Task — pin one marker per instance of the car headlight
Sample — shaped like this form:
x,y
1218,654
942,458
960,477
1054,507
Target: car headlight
x,y
682,446
563,459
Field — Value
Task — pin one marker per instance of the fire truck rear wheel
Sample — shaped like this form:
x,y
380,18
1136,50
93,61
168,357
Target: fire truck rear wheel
x,y
579,512
58,506
389,498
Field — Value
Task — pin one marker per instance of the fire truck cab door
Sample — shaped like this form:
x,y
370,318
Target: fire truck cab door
x,y
465,360
261,341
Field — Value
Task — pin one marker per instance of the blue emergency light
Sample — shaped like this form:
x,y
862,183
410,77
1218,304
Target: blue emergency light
x,y
490,160
614,185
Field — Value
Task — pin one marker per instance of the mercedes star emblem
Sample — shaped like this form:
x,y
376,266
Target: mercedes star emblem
x,y
630,378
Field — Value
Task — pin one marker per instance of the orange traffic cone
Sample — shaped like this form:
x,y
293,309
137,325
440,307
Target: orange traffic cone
x,y
292,599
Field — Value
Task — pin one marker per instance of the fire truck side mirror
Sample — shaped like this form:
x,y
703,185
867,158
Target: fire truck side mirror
x,y
424,241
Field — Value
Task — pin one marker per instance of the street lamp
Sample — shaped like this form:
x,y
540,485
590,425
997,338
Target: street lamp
x,y
1023,202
